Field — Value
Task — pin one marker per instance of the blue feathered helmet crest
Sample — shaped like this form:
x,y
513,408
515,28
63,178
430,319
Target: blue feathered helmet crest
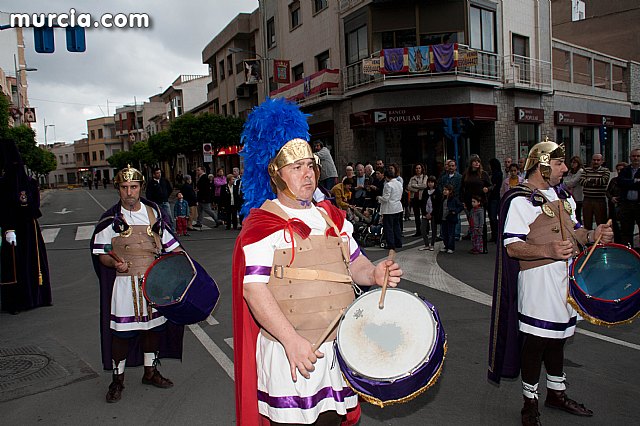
x,y
268,128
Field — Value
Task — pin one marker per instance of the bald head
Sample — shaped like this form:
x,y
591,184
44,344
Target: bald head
x,y
596,161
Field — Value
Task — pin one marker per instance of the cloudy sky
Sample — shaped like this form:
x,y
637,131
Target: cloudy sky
x,y
119,64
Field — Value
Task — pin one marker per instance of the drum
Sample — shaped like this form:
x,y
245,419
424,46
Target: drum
x,y
180,289
607,291
394,354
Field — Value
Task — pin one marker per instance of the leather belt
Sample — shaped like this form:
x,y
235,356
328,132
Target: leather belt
x,y
281,272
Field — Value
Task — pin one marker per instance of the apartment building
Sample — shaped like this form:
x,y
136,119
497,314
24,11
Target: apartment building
x,y
66,169
102,144
83,164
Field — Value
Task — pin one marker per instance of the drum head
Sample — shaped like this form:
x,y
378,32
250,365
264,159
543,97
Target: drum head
x,y
612,273
386,344
168,278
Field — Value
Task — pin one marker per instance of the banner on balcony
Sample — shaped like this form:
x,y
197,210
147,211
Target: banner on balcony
x,y
394,60
419,59
443,57
281,71
309,86
467,58
371,66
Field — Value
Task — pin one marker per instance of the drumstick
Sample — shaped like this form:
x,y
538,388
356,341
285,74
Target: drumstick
x,y
108,248
328,330
593,248
392,255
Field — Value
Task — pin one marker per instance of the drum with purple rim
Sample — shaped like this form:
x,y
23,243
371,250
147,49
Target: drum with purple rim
x,y
390,355
180,289
607,291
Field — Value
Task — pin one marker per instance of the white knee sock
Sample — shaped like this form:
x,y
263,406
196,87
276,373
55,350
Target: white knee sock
x,y
149,358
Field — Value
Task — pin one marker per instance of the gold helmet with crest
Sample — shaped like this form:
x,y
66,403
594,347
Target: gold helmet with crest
x,y
128,174
541,154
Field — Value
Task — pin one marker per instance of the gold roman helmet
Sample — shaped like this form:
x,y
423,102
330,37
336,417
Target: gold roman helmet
x,y
294,150
542,153
128,174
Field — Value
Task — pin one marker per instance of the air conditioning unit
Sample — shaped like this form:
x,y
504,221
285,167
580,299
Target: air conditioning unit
x,y
242,92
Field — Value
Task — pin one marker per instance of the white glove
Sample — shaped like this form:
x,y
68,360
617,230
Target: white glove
x,y
10,236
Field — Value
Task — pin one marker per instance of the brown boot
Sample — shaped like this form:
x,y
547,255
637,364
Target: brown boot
x,y
530,413
153,377
560,400
115,388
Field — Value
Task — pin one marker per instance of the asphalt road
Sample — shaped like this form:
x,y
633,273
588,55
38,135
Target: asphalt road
x,y
602,364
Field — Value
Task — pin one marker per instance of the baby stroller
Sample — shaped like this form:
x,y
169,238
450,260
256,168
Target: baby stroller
x,y
368,230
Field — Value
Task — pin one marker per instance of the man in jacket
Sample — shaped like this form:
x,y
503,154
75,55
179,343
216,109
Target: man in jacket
x,y
159,191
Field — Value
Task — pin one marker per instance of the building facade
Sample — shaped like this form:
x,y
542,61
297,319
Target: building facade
x,y
102,144
66,169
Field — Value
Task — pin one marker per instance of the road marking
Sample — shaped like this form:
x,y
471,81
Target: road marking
x,y
64,211
94,199
608,339
212,321
49,235
68,224
213,349
84,232
229,341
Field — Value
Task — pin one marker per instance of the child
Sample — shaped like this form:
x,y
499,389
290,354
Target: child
x,y
476,221
451,206
430,209
181,212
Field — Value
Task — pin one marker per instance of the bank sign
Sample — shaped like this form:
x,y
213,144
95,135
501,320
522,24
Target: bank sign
x,y
396,116
529,115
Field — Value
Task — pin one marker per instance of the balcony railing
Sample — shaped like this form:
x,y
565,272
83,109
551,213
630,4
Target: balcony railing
x,y
527,73
472,63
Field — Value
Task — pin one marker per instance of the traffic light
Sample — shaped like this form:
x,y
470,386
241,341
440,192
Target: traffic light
x,y
43,39
75,39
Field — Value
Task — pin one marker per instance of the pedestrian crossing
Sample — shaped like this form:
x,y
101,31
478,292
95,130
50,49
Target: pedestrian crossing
x,y
52,233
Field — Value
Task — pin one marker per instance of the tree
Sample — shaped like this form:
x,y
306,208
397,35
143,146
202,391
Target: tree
x,y
139,156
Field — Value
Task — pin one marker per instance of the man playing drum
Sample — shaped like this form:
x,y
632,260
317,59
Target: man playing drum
x,y
531,318
294,263
127,239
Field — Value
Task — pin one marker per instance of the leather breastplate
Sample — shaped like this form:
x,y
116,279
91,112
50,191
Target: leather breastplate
x,y
313,288
138,245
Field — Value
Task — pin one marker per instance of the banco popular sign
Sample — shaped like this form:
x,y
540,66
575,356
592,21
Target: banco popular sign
x,y
396,116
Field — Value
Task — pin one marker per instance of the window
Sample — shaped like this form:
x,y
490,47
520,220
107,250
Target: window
x,y
582,71
357,46
214,75
322,61
94,156
601,74
563,135
482,22
100,134
101,154
271,33
224,110
297,72
93,134
66,158
295,17
586,143
232,108
561,60
221,69
398,38
229,65
216,106
617,75
520,54
527,137
60,159
319,5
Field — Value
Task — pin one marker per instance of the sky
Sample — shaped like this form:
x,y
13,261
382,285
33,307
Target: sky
x,y
118,64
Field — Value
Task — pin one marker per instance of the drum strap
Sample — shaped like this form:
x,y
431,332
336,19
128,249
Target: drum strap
x,y
280,271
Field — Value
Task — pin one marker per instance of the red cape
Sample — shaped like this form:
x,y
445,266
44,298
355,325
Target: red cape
x,y
258,225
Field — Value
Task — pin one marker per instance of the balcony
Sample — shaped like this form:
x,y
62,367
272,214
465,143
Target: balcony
x,y
524,73
322,86
472,67
348,4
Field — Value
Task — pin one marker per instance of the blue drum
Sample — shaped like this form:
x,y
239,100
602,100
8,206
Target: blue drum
x,y
607,291
390,355
180,289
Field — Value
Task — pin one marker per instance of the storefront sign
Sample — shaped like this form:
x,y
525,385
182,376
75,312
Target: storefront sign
x,y
529,115
564,118
422,115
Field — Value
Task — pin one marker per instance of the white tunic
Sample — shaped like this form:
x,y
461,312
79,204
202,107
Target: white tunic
x,y
123,316
543,309
279,398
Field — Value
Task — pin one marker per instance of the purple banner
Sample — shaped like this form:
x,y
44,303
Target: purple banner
x,y
443,57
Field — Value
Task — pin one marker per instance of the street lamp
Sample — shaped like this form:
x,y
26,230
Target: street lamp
x,y
45,133
263,65
18,72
